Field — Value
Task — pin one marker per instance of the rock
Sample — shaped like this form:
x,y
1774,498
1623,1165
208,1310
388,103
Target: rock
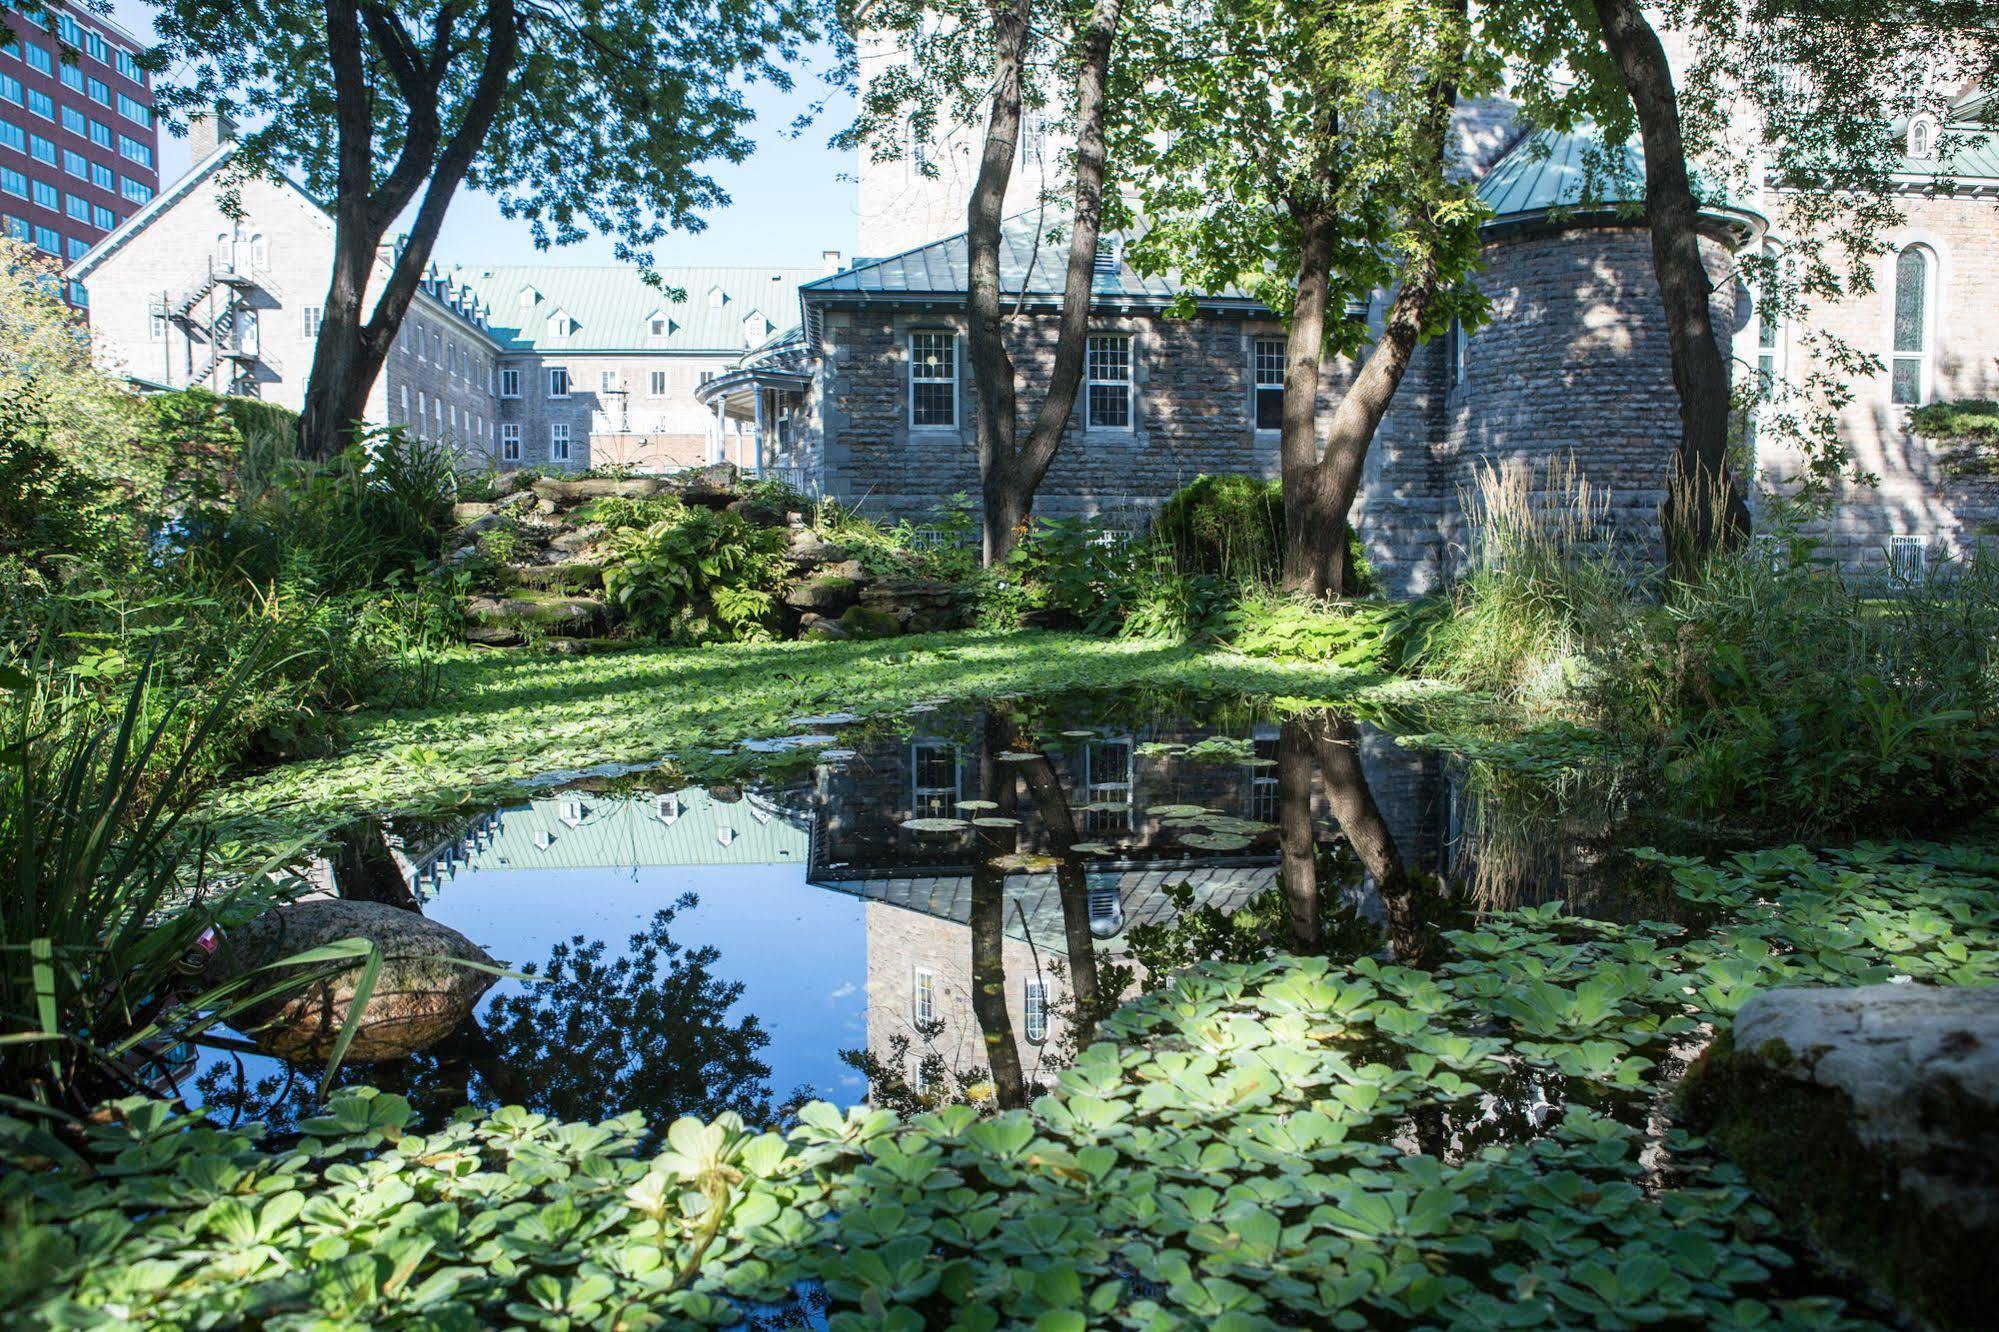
x,y
505,484
581,647
466,512
819,627
572,539
573,615
825,592
758,512
561,494
869,622
492,635
563,576
809,550
920,605
462,554
1870,1116
422,991
715,485
850,570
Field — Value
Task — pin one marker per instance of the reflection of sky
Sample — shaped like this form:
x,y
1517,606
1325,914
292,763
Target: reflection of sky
x,y
799,951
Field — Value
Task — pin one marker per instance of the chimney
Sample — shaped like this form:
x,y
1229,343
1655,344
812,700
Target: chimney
x,y
207,131
829,260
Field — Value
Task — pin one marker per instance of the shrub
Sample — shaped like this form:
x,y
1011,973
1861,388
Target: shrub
x,y
1381,635
1232,526
944,546
692,575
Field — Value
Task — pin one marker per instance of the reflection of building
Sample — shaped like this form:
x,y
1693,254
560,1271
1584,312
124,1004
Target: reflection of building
x,y
587,830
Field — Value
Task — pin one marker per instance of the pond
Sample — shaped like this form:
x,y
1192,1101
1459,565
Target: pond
x,y
938,905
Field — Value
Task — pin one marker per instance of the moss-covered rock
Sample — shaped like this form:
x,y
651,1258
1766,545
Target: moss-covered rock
x,y
1870,1117
869,622
824,593
540,610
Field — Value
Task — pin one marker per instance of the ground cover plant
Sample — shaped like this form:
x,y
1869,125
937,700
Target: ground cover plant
x,y
500,720
1291,1141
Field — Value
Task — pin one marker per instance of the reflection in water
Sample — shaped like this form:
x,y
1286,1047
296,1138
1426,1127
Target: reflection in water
x,y
951,902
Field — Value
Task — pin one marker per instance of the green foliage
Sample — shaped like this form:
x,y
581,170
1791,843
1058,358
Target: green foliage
x,y
1267,1142
1230,525
1062,571
50,510
688,574
104,899
944,546
1380,635
1972,426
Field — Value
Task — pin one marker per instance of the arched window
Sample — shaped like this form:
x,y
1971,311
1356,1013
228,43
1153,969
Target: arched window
x,y
225,248
1915,316
1922,137
260,251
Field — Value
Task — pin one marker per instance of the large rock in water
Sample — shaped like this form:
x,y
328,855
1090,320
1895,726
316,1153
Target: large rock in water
x,y
1870,1116
421,993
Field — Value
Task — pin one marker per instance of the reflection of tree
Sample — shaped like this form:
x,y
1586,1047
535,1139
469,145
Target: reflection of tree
x,y
1337,741
649,1030
1072,882
365,871
1297,840
996,784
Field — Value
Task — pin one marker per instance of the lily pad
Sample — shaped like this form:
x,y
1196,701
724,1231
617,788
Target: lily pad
x,y
1177,811
978,804
995,821
935,825
1214,841
1093,848
1017,756
1080,735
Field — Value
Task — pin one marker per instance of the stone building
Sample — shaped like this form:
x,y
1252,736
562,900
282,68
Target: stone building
x,y
1573,367
546,365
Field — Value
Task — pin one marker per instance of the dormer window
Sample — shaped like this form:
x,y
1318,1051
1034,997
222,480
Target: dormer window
x,y
529,296
756,328
717,298
1922,138
658,325
725,834
560,325
543,839
667,808
571,812
1107,256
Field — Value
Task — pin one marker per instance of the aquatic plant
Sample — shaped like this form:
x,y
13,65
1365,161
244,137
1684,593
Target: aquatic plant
x,y
1280,1142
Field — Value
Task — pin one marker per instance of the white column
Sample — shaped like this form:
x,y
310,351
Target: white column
x,y
760,430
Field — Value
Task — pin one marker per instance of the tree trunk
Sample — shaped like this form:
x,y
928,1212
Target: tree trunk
x,y
1311,526
1326,504
1352,803
1072,882
1298,871
1011,472
349,354
1704,510
988,925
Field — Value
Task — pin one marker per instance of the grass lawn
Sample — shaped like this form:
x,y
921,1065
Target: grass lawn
x,y
504,719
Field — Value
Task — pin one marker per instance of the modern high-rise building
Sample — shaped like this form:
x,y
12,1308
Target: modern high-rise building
x,y
79,145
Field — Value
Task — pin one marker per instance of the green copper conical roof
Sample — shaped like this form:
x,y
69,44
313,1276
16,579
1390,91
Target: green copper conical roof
x,y
1552,179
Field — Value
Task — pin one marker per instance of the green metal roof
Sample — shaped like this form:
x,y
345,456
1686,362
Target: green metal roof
x,y
681,828
1029,266
610,307
1556,177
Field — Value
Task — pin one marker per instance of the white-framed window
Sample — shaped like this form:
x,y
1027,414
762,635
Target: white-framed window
x,y
656,386
1034,1003
1267,364
1908,556
260,251
453,414
1457,352
1770,366
510,441
1107,782
1263,777
923,995
1107,382
1914,326
1033,136
608,381
422,405
558,382
558,441
666,808
1923,138
933,378
310,318
510,382
656,326
156,329
933,779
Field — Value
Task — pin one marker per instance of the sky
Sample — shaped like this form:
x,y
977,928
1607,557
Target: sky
x,y
789,202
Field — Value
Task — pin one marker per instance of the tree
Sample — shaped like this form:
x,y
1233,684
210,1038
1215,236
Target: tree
x,y
597,118
1793,95
1003,56
1299,152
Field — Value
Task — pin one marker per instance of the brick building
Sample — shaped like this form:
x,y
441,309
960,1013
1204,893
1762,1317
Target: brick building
x,y
79,148
548,365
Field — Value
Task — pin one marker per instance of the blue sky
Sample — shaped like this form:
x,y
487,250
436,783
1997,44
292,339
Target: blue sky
x,y
788,201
